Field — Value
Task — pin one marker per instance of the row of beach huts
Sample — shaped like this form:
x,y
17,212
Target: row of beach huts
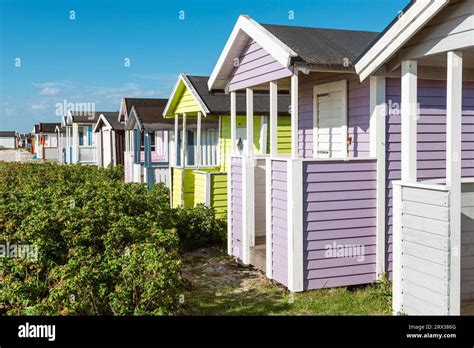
x,y
337,157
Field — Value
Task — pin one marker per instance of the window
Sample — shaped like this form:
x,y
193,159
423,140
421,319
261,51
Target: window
x,y
153,141
81,136
85,136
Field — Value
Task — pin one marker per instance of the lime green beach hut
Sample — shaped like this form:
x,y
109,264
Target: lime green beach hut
x,y
201,143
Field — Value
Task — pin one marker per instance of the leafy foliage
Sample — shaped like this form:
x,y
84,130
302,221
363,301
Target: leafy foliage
x,y
104,247
198,227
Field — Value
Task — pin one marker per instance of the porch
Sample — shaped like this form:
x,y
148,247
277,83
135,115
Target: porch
x,y
433,227
315,227
192,185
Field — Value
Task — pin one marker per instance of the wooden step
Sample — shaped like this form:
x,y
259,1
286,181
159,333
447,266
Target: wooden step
x,y
258,257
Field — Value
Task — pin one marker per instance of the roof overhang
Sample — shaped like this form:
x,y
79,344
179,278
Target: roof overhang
x,y
102,120
244,29
183,82
407,25
133,119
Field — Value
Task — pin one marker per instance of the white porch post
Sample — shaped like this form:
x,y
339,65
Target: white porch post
x,y
233,122
75,142
295,224
183,159
263,134
268,173
176,139
249,97
453,174
233,150
377,150
294,114
273,118
248,183
198,142
409,120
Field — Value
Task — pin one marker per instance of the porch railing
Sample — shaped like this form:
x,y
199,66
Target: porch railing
x,y
87,154
423,281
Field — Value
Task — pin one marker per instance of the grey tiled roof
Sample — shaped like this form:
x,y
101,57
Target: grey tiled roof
x,y
329,48
218,102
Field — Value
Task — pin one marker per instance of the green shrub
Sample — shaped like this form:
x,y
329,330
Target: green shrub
x,y
198,227
104,247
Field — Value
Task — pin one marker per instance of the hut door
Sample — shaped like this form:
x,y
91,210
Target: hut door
x,y
330,120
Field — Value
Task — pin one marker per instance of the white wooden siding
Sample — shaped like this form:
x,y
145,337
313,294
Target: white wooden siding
x,y
467,241
424,251
452,29
8,142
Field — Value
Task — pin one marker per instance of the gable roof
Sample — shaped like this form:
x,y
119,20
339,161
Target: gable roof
x,y
325,48
84,117
48,127
149,118
7,134
414,17
110,119
130,102
314,48
217,102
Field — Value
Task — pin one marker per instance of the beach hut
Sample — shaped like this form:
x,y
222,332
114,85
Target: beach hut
x,y
200,165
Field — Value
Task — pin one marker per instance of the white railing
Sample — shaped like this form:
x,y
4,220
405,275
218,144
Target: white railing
x,y
87,154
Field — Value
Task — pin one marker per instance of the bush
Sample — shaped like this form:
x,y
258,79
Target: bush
x,y
198,227
104,247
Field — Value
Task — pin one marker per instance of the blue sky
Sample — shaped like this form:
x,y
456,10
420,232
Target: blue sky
x,y
83,60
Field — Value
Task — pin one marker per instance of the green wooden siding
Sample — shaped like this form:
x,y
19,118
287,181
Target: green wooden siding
x,y
284,135
219,194
199,187
186,103
188,187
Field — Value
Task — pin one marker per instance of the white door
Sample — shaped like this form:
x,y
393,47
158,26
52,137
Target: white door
x,y
107,147
330,120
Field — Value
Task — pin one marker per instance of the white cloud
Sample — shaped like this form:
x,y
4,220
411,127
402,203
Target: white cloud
x,y
39,106
49,91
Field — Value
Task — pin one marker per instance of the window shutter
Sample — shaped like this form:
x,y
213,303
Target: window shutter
x,y
89,135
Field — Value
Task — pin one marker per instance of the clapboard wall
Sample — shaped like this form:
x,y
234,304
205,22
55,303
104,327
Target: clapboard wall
x,y
279,223
358,103
339,219
431,139
467,241
425,251
236,208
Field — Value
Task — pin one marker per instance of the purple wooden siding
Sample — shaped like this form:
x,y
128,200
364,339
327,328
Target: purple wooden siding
x,y
358,113
256,66
237,206
279,222
339,210
431,139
